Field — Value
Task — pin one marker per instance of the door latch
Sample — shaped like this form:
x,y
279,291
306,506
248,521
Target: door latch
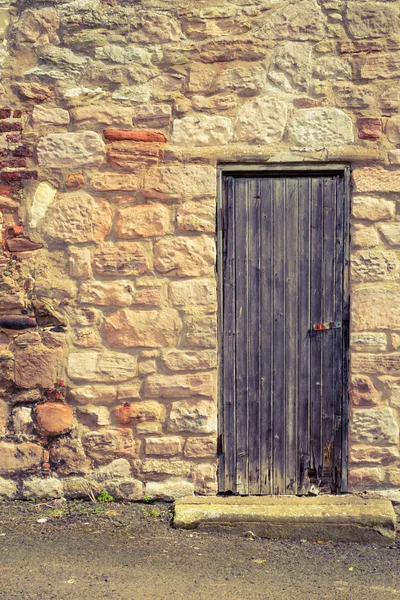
x,y
327,326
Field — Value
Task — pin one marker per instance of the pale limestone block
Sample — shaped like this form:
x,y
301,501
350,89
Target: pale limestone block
x,y
80,262
179,183
120,259
376,307
106,293
261,121
193,292
172,466
376,364
119,467
391,233
319,128
169,489
202,130
374,265
178,386
366,477
364,237
200,447
201,330
42,489
189,360
243,81
163,446
302,20
193,417
49,116
370,19
371,341
106,115
44,196
375,426
111,182
143,220
101,366
291,66
137,412
373,209
150,328
94,394
376,179
196,216
71,150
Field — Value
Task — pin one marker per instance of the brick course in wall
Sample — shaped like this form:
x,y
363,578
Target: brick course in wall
x,y
114,117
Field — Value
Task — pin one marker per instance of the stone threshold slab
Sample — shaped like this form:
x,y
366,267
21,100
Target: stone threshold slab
x,y
327,518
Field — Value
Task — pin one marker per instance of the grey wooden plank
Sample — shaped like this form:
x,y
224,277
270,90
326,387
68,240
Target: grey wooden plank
x,y
253,291
266,329
279,369
242,334
317,316
228,339
291,332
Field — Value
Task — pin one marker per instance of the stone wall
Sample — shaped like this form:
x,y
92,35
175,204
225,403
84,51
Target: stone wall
x,y
114,116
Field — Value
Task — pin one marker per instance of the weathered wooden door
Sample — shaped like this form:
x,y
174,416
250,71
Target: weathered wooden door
x,y
284,332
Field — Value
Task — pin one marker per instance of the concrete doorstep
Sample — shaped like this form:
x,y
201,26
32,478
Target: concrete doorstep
x,y
327,518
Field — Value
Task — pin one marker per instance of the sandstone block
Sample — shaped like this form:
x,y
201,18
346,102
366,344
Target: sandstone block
x,y
394,157
172,466
87,316
163,446
366,317
366,477
130,391
49,116
8,489
54,418
101,366
374,265
152,115
394,477
102,446
143,220
391,233
200,447
193,292
302,20
205,479
369,128
189,360
261,121
118,259
365,237
78,217
376,364
147,366
169,489
348,95
178,386
201,330
185,256
102,115
43,198
197,217
42,489
94,394
68,457
134,155
318,128
75,181
216,51
80,262
363,391
148,297
127,488
111,182
178,183
368,454
138,412
71,150
93,416
202,79
369,19
193,417
150,329
38,26
123,54
37,366
214,103
373,209
20,457
369,341
385,66
3,417
243,81
375,426
202,130
159,28
106,293
291,66
86,338
115,135
119,467
376,179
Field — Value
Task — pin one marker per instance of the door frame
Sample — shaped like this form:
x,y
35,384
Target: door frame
x,y
291,168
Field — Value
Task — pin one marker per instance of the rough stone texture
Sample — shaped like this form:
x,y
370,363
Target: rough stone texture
x,y
67,457
261,121
365,237
186,360
193,292
178,386
145,220
377,364
53,418
139,412
49,116
302,20
178,183
196,217
391,233
37,366
193,417
375,426
185,256
319,128
135,328
202,131
42,489
94,394
120,259
163,446
20,457
376,179
102,446
102,115
369,341
109,182
105,293
101,366
201,330
363,392
169,489
368,454
80,263
373,265
8,489
365,317
291,66
200,447
71,150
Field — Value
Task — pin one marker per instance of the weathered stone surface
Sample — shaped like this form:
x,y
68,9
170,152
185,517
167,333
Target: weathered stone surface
x,y
374,265
351,96
172,466
369,342
115,135
54,418
75,181
143,220
94,394
20,457
364,237
120,259
375,426
369,128
376,179
370,19
243,81
42,489
104,445
291,66
373,209
138,412
130,391
261,121
185,256
22,420
80,262
67,457
148,297
169,489
150,328
302,20
106,293
127,488
43,198
152,115
37,27
71,150
385,66
215,51
189,360
391,233
147,366
133,155
193,417
214,103
202,131
376,364
363,391
49,116
119,467
366,317
366,477
37,366
86,338
201,330
110,182
93,416
178,183
368,454
3,417
202,79
8,489
87,316
102,115
200,447
163,446
124,54
78,217
193,292
318,128
101,366
394,157
178,386
196,216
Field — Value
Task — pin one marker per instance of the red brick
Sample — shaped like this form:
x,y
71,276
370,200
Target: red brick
x,y
10,126
118,135
18,175
14,163
5,190
17,114
5,113
308,102
14,138
23,151
369,128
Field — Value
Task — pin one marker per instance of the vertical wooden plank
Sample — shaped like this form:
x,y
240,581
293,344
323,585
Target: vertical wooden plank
x,y
316,300
253,291
279,333
291,332
228,387
242,334
266,328
346,328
